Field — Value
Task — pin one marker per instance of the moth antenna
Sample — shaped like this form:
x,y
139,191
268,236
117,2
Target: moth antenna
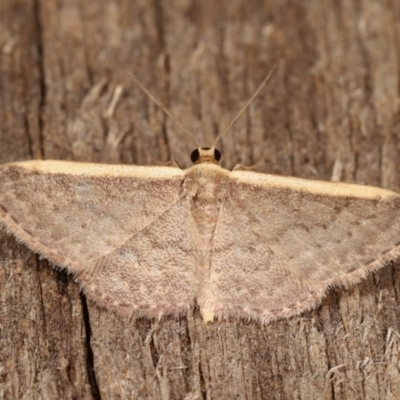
x,y
164,108
247,104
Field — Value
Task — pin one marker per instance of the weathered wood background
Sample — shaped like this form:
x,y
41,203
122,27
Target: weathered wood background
x,y
330,110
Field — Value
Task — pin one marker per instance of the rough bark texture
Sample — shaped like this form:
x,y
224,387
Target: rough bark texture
x,y
330,110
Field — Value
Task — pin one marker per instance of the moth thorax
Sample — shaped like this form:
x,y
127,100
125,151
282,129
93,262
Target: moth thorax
x,y
205,154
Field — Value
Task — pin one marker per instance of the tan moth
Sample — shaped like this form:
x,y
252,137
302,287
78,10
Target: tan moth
x,y
155,240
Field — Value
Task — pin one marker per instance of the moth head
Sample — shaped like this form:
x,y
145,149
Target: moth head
x,y
205,154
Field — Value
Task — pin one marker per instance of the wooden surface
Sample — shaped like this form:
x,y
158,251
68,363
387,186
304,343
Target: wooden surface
x,y
330,110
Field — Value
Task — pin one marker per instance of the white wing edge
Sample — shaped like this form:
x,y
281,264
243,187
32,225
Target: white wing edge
x,y
94,169
323,188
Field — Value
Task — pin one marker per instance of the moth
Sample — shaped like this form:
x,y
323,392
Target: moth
x,y
146,241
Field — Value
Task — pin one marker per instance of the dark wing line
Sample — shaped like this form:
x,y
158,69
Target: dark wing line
x,y
16,230
97,265
352,278
344,279
362,269
57,260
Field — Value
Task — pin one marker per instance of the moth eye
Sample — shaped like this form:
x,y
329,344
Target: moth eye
x,y
195,155
217,154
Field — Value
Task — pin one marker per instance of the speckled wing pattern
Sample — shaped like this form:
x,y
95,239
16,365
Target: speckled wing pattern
x,y
281,242
148,241
110,226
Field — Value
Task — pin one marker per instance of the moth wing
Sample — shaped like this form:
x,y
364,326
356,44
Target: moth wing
x,y
119,229
281,242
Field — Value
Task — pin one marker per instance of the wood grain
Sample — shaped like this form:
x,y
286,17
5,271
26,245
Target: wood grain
x,y
332,102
